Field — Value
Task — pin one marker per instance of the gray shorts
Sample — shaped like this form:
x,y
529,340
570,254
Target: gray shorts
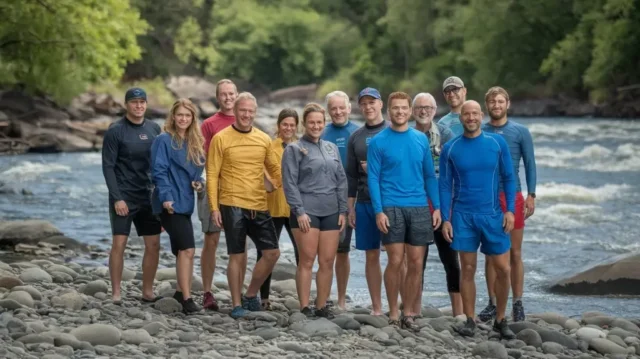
x,y
204,214
409,225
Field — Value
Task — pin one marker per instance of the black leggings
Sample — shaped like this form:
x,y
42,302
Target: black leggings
x,y
279,223
449,259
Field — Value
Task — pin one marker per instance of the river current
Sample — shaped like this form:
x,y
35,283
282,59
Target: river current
x,y
587,211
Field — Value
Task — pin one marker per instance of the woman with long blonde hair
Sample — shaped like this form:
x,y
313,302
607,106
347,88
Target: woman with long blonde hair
x,y
177,161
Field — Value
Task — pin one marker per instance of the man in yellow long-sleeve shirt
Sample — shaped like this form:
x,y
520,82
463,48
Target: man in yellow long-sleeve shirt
x,y
235,167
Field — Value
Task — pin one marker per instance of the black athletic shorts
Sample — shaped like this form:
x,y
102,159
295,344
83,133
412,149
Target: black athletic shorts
x,y
324,223
180,231
238,223
147,223
409,225
345,239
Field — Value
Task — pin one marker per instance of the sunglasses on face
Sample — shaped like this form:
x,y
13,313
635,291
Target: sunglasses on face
x,y
454,90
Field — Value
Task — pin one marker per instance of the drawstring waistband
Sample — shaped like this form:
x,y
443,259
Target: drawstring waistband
x,y
253,214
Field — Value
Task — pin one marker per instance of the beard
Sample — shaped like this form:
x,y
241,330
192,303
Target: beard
x,y
496,115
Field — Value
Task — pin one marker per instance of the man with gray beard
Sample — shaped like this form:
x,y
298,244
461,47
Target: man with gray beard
x,y
424,109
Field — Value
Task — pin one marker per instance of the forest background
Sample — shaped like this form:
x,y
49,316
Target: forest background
x,y
587,51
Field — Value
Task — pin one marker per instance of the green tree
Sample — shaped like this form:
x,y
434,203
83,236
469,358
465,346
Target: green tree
x,y
168,19
58,47
275,43
601,53
507,41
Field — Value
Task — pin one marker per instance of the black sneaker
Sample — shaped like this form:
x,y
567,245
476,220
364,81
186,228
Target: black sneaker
x,y
308,312
518,311
251,303
503,329
178,296
488,314
189,306
468,329
324,312
329,303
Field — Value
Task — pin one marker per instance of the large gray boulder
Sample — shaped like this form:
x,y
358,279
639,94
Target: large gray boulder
x,y
29,231
619,276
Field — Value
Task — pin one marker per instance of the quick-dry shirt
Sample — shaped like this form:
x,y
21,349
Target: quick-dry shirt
x,y
339,135
356,153
276,200
470,172
126,160
214,124
520,145
452,122
235,169
172,175
313,178
401,172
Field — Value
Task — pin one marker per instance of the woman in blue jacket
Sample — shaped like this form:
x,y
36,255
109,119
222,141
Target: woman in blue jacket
x,y
177,161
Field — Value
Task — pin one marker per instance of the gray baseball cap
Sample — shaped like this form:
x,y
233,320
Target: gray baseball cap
x,y
452,81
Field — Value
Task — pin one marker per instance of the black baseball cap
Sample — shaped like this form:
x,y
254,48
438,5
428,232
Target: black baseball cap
x,y
134,93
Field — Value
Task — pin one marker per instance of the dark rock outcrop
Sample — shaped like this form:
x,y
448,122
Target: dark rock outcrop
x,y
620,276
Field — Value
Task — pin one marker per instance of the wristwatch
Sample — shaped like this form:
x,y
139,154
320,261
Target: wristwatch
x,y
532,195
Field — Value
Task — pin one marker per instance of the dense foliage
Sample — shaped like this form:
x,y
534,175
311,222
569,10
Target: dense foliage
x,y
572,48
58,47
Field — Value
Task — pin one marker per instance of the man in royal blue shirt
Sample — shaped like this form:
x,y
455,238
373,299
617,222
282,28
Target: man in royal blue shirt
x,y
471,169
338,132
402,181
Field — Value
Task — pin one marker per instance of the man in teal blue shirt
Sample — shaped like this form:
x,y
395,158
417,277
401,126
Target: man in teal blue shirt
x,y
456,94
338,132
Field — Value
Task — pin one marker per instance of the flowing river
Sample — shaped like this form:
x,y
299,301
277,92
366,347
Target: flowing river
x,y
588,210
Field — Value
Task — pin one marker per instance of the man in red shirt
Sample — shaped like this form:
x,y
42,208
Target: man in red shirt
x,y
226,93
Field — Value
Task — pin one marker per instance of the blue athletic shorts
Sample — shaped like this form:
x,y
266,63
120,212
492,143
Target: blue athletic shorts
x,y
472,230
368,236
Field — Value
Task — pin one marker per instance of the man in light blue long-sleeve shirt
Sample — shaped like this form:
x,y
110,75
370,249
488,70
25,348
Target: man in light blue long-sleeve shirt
x,y
402,181
455,93
520,144
338,132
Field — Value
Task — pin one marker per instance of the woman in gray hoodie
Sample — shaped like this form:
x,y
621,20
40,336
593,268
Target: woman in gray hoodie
x,y
315,186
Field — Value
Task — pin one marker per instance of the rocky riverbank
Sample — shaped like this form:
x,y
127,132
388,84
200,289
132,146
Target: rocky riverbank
x,y
52,306
52,309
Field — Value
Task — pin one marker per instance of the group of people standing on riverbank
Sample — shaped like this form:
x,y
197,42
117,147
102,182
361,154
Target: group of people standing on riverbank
x,y
454,183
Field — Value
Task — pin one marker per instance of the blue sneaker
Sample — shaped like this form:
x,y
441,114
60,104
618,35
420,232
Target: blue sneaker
x,y
239,312
488,313
518,311
252,304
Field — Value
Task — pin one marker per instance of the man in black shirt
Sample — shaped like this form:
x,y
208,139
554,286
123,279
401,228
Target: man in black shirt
x,y
126,165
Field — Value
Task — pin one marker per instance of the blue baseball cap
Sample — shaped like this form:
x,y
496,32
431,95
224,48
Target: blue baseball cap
x,y
369,91
134,93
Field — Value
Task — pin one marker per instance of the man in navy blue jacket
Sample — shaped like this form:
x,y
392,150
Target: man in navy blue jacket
x,y
126,165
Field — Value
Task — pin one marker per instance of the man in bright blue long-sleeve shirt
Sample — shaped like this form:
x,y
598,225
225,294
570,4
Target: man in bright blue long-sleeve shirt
x,y
401,182
471,168
520,145
338,132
